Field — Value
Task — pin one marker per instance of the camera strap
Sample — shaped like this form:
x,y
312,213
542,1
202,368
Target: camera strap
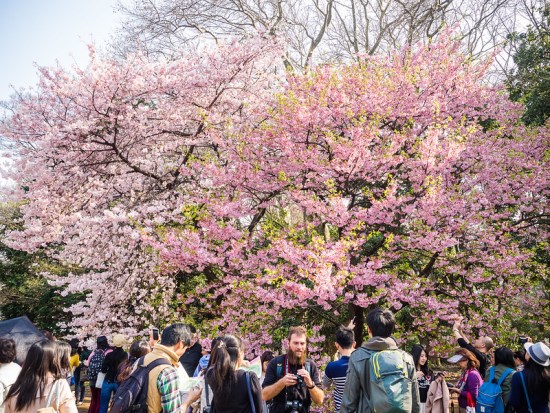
x,y
287,366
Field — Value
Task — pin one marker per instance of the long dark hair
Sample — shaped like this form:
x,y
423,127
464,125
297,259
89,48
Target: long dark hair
x,y
42,360
520,355
537,380
221,374
138,349
505,356
213,344
416,351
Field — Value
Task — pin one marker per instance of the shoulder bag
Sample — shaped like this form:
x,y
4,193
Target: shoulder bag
x,y
99,381
207,408
247,374
47,408
525,390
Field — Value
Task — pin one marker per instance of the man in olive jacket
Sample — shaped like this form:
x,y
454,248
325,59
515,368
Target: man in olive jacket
x,y
381,324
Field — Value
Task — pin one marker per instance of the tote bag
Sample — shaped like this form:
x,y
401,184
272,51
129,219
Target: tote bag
x,y
100,380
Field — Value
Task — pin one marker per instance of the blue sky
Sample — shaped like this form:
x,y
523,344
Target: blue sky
x,y
44,31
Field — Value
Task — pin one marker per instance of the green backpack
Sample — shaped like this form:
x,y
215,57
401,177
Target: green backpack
x,y
389,387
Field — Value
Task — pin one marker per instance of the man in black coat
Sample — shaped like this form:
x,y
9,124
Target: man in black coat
x,y
191,357
480,346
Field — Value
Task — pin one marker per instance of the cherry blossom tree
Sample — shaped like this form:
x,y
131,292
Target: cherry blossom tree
x,y
209,188
417,185
105,156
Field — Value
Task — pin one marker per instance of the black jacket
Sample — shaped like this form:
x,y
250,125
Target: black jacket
x,y
237,399
484,361
191,357
111,363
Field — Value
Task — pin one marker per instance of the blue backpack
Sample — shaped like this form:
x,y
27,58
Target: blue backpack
x,y
489,399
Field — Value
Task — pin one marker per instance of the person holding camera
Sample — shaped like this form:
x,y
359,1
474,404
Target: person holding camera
x,y
292,381
531,387
168,394
480,346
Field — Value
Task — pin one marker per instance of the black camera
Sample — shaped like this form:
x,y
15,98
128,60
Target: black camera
x,y
523,340
300,381
293,406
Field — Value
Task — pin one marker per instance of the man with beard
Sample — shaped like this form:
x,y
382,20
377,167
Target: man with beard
x,y
292,381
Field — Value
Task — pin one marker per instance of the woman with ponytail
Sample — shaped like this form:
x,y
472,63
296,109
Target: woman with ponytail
x,y
228,382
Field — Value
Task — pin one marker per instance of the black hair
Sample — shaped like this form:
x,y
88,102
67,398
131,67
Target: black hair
x,y
345,337
381,322
416,352
213,344
40,363
537,380
102,343
8,350
520,355
75,346
175,333
505,356
221,374
138,349
266,356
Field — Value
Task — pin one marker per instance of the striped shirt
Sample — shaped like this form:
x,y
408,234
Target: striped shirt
x,y
335,373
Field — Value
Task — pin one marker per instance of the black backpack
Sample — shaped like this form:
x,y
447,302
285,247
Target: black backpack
x,y
95,365
131,395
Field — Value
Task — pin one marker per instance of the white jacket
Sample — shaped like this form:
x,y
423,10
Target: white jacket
x,y
8,374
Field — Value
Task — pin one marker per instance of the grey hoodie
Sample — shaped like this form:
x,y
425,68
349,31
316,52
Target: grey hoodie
x,y
355,395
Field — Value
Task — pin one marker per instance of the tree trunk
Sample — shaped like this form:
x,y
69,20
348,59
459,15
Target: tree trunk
x,y
359,329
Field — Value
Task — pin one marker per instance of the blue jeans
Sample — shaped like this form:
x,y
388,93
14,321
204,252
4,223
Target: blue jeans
x,y
107,389
79,386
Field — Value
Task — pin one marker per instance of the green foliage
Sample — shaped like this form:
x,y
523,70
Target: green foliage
x,y
530,81
536,325
25,291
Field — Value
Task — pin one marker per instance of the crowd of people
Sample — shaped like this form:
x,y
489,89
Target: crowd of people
x,y
179,374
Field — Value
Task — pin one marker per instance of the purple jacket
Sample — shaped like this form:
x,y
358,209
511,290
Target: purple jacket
x,y
469,384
